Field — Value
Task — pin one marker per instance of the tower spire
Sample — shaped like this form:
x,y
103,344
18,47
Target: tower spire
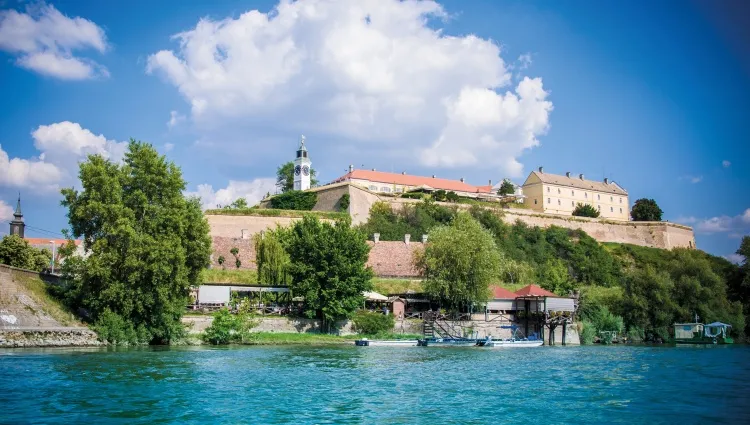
x,y
18,214
17,226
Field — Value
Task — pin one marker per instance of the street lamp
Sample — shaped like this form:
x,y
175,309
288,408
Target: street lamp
x,y
53,256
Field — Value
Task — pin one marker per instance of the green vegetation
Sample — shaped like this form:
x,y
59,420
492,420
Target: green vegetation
x,y
370,323
506,188
344,203
285,177
294,200
648,288
646,210
17,252
263,212
235,276
229,328
327,267
147,246
238,204
460,262
585,210
39,291
272,258
396,286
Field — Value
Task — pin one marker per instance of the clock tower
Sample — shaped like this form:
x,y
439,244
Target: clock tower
x,y
17,226
302,168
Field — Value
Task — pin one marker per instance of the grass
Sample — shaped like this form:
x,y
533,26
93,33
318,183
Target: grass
x,y
235,276
37,290
268,212
396,286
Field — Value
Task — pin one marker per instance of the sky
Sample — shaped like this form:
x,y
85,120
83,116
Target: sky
x,y
653,95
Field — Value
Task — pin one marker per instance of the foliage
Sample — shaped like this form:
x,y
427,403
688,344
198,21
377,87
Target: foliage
x,y
147,245
221,260
272,258
439,195
114,329
452,196
17,252
239,203
285,177
587,332
295,200
328,267
388,286
585,210
739,279
344,202
646,210
415,219
262,212
413,195
242,276
369,323
229,328
459,262
506,188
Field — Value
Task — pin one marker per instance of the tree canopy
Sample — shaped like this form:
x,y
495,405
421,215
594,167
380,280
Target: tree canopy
x,y
585,210
646,210
17,252
506,188
328,267
459,262
285,177
295,200
147,245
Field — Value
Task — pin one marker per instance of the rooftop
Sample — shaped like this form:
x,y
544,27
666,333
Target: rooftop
x,y
534,291
415,181
579,182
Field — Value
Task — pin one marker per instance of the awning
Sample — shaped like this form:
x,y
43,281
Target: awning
x,y
374,296
718,325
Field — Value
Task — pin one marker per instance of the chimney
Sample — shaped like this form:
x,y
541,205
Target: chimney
x,y
433,176
462,179
567,174
580,176
351,168
606,180
424,238
407,237
490,183
541,169
376,237
403,173
373,169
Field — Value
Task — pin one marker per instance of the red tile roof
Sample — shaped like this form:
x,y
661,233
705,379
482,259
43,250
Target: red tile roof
x,y
534,291
499,293
409,180
48,241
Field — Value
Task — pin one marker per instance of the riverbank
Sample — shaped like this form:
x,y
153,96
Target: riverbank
x,y
49,337
292,338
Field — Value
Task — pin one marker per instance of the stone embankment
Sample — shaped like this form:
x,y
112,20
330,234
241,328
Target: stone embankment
x,y
29,317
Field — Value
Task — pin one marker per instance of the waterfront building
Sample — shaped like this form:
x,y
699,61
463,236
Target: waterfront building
x,y
302,167
398,183
559,194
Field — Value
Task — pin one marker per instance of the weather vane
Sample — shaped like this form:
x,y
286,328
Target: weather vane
x,y
302,139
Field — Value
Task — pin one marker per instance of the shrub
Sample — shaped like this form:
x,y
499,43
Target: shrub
x,y
344,202
451,196
228,327
439,195
114,329
588,332
369,323
413,195
585,210
295,200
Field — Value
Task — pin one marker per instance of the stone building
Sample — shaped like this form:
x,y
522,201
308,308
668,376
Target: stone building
x,y
556,194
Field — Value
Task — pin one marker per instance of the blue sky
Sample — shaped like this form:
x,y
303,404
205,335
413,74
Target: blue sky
x,y
653,96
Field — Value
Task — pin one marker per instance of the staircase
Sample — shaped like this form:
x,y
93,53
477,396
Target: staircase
x,y
428,326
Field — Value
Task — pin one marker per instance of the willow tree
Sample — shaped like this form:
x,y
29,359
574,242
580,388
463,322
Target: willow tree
x,y
146,245
271,257
459,262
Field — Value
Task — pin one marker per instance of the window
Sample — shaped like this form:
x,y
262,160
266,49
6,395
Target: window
x,y
549,200
599,207
620,210
399,190
573,192
572,204
611,209
558,190
385,189
547,189
611,199
534,201
558,202
621,200
373,187
586,195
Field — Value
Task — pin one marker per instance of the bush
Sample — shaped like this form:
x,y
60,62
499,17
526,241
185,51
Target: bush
x,y
369,323
587,333
344,202
114,329
295,200
585,210
227,328
451,196
413,195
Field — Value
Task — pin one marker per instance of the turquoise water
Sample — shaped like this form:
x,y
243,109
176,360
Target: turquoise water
x,y
383,385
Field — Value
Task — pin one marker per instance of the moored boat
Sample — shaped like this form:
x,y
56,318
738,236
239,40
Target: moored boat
x,y
448,342
386,343
698,333
517,340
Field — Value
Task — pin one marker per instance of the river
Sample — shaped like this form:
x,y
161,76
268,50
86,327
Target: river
x,y
383,385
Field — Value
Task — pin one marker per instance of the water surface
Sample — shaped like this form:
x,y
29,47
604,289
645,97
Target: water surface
x,y
384,385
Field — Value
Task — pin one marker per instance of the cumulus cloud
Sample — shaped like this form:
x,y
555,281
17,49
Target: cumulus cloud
x,y
726,164
253,191
524,60
732,225
6,211
61,145
43,40
174,119
735,258
375,73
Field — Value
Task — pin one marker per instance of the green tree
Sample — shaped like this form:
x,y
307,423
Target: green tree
x,y
272,258
452,196
585,210
285,177
17,252
229,328
295,200
146,244
238,204
646,210
459,262
328,267
439,195
506,188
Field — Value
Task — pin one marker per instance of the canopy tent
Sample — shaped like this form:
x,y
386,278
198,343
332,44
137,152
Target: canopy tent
x,y
374,296
712,330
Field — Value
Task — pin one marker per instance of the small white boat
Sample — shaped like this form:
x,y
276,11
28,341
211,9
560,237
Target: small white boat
x,y
511,343
386,343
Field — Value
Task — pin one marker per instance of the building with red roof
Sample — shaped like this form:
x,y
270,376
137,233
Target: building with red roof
x,y
535,291
394,183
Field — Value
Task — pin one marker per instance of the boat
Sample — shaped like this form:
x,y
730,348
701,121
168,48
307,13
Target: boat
x,y
364,342
698,333
448,342
517,340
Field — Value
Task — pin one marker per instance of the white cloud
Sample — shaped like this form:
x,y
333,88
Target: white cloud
x,y
726,164
62,145
686,220
735,225
735,258
43,39
692,179
253,191
174,119
372,72
524,60
6,211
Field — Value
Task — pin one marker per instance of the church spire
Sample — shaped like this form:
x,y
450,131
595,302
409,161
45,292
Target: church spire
x,y
18,214
17,226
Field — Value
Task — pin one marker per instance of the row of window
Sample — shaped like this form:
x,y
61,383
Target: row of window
x,y
573,204
586,195
385,189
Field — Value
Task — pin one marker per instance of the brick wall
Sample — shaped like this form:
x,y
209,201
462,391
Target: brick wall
x,y
223,246
393,258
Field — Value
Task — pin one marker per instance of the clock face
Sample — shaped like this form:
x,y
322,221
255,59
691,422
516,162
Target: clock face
x,y
305,170
297,170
